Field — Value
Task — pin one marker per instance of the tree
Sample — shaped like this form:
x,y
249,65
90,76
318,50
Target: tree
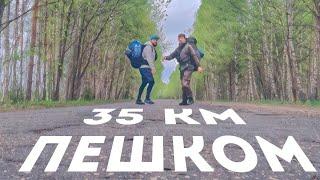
x,y
6,61
64,30
262,47
298,94
32,47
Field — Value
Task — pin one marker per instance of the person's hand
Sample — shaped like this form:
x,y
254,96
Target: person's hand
x,y
153,71
200,69
164,58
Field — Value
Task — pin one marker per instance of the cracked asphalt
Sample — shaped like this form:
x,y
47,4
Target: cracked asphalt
x,y
19,131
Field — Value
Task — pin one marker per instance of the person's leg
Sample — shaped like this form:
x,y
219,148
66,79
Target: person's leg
x,y
141,89
187,87
149,90
151,83
144,83
184,97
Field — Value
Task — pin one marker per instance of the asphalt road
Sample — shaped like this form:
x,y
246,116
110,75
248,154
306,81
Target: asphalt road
x,y
19,131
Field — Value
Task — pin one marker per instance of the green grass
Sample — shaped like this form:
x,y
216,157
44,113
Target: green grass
x,y
309,103
52,104
48,104
314,103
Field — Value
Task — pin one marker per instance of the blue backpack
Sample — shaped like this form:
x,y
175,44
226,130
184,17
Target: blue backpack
x,y
134,53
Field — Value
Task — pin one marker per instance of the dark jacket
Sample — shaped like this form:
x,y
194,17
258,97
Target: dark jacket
x,y
187,57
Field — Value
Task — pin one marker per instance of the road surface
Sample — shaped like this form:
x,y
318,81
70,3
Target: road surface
x,y
19,131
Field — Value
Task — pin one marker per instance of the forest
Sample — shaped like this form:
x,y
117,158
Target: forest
x,y
70,49
259,50
60,50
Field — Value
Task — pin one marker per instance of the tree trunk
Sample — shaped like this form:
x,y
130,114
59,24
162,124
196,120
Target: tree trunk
x,y
45,47
232,80
277,65
2,7
110,87
287,77
15,51
267,60
23,7
38,75
315,64
6,62
252,87
32,47
298,94
74,63
64,30
102,77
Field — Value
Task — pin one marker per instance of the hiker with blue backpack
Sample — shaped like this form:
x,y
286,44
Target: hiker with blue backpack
x,y
188,57
143,57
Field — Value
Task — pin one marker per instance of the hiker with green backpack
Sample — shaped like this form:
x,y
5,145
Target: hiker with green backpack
x,y
143,57
188,57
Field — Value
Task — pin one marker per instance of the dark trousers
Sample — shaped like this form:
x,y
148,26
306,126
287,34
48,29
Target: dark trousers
x,y
185,77
147,79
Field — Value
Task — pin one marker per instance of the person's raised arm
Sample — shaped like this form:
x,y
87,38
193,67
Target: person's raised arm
x,y
173,55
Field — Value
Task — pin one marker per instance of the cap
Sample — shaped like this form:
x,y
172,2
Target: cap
x,y
154,37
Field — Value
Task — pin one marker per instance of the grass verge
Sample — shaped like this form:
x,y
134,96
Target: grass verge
x,y
48,104
314,104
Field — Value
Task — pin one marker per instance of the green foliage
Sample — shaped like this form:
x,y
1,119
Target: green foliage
x,y
217,28
21,105
313,103
16,97
226,28
164,91
309,103
88,95
136,23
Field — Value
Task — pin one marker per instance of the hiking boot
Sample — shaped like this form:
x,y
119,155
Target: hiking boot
x,y
148,101
140,102
190,101
184,102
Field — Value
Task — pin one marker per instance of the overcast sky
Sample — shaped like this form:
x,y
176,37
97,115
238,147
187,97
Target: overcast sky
x,y
181,17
